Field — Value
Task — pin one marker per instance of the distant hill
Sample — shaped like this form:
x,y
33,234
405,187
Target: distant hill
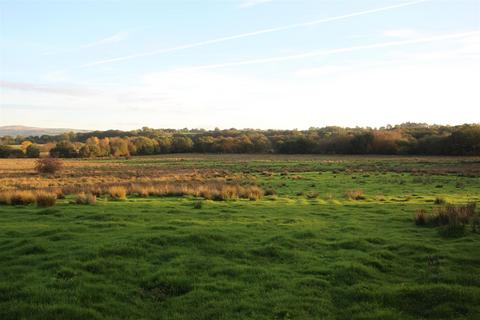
x,y
33,131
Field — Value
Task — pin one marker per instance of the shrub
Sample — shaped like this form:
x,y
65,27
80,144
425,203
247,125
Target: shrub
x,y
48,165
45,199
118,193
354,195
88,198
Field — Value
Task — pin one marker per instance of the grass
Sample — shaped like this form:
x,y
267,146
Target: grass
x,y
318,255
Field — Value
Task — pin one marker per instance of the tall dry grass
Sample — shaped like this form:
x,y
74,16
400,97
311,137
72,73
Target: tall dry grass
x,y
16,197
45,199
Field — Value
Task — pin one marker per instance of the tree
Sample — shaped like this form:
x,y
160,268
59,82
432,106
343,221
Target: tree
x,y
11,152
182,144
25,144
64,149
119,147
145,146
33,151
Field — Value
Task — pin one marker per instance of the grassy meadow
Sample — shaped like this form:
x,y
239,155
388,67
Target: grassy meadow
x,y
266,237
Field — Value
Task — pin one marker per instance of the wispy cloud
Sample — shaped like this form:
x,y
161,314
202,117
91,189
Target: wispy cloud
x,y
70,90
254,33
117,37
252,3
318,53
400,33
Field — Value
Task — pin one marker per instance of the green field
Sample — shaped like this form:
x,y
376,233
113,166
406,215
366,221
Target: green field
x,y
305,252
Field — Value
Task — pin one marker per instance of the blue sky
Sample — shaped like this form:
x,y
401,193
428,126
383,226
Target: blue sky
x,y
238,63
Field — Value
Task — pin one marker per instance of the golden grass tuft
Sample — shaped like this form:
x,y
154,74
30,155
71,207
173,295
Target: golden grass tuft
x,y
17,198
86,198
117,193
45,199
354,195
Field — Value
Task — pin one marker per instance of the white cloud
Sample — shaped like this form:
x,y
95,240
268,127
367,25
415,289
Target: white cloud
x,y
432,92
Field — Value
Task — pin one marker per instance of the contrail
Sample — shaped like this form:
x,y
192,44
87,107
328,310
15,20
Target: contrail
x,y
254,33
318,53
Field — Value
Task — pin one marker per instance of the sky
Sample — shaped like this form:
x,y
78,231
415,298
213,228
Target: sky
x,y
278,64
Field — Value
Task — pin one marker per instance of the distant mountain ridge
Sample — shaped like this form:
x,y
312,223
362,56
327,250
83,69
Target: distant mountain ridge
x,y
33,131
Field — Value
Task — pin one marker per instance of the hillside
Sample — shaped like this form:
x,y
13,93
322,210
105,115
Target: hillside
x,y
33,131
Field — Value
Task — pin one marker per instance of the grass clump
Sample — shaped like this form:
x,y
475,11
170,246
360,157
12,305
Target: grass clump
x,y
198,205
421,217
17,198
86,199
452,218
440,200
354,195
118,193
312,195
45,199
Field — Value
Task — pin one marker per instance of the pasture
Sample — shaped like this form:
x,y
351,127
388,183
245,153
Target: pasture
x,y
240,237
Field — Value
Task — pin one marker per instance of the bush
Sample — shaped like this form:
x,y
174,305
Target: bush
x,y
118,193
88,198
45,199
48,165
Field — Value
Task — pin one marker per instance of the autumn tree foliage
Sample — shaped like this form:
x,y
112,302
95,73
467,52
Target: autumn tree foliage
x,y
408,138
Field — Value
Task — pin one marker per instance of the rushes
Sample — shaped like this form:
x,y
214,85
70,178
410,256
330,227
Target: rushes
x,y
17,198
45,199
24,197
117,193
211,191
87,194
354,195
86,198
452,218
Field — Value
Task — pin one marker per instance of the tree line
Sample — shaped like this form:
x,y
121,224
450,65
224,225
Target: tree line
x,y
404,139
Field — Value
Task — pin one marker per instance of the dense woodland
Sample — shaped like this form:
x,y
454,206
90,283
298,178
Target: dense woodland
x,y
404,139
